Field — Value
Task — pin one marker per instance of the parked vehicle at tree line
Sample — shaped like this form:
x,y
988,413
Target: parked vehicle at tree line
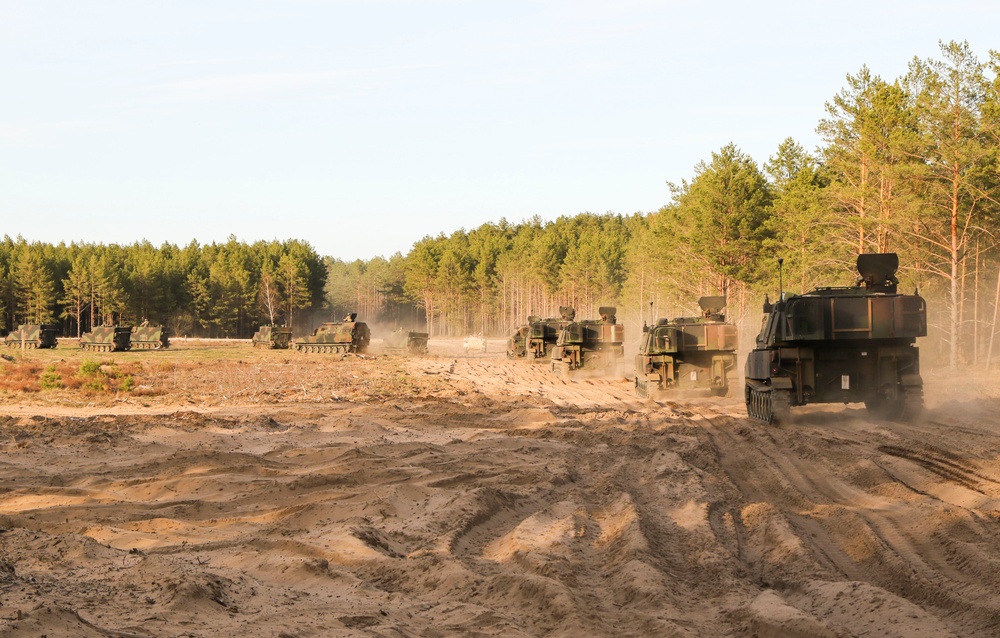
x,y
32,336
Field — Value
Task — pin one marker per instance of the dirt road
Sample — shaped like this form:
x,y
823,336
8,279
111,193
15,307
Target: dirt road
x,y
487,497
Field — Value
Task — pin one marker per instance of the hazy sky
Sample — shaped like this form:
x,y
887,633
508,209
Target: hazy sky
x,y
361,126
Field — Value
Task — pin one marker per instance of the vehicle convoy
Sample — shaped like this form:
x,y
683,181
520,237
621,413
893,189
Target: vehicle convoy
x,y
107,339
147,337
33,335
537,338
402,341
840,345
688,354
272,338
592,344
347,336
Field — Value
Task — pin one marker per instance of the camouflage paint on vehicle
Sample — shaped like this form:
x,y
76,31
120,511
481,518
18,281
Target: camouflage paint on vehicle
x,y
347,336
689,355
840,345
33,335
146,337
272,337
107,339
592,344
402,341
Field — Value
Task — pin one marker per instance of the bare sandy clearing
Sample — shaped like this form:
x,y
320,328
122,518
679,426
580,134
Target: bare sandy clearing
x,y
471,495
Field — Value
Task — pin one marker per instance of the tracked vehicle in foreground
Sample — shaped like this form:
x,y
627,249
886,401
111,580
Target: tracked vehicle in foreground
x,y
593,344
537,338
402,341
840,345
272,338
107,339
687,355
347,336
33,335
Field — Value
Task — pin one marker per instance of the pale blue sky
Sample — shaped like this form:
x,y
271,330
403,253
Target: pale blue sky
x,y
363,126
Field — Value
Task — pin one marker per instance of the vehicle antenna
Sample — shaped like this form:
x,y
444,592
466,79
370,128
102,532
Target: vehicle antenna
x,y
781,285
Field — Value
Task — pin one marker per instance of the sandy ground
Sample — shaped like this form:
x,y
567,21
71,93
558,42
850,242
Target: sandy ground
x,y
456,495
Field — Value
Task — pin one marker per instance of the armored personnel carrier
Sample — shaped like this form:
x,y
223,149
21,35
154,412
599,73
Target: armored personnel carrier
x,y
272,337
840,345
474,344
537,338
147,337
107,339
33,335
402,341
349,335
689,355
592,344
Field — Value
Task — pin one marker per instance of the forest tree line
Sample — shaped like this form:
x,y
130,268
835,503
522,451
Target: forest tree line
x,y
216,290
910,165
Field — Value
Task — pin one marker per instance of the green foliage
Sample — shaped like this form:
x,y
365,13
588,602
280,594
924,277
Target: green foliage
x,y
50,379
105,376
210,290
909,165
90,368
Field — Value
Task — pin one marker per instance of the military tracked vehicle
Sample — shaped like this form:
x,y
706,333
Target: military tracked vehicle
x,y
474,343
344,336
689,355
592,344
33,335
840,345
272,337
402,341
147,337
517,344
107,339
537,338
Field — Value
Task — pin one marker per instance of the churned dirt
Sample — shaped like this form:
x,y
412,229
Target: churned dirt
x,y
273,494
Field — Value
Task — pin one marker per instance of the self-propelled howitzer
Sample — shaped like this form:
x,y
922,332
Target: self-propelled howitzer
x,y
690,355
840,345
592,344
536,339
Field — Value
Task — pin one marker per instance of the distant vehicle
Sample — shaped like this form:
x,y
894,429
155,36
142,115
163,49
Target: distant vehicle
x,y
347,336
33,335
107,339
147,337
840,345
593,344
537,338
688,354
474,343
402,341
272,337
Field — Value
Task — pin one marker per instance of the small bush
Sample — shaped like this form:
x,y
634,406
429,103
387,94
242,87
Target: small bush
x,y
90,368
51,379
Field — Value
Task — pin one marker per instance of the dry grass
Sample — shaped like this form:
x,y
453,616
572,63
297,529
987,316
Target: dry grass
x,y
208,374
